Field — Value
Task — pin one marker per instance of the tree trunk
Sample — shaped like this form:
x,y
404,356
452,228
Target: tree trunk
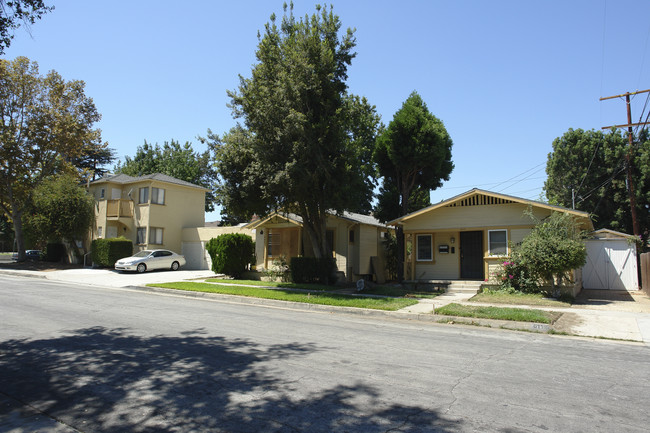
x,y
399,232
17,216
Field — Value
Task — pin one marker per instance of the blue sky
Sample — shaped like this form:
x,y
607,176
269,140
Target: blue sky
x,y
505,77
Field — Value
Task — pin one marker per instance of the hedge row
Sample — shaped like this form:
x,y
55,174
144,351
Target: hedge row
x,y
312,270
105,252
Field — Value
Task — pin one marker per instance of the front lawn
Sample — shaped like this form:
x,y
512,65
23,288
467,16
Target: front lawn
x,y
319,297
499,313
394,291
518,298
271,284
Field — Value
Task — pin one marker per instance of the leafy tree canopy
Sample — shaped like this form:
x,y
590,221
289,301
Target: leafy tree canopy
x,y
172,159
304,144
591,165
47,123
413,155
13,13
388,206
60,210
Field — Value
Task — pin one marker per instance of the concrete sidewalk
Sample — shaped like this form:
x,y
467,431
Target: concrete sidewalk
x,y
600,320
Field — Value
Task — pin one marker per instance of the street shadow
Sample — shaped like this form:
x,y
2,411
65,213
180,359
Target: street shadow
x,y
110,380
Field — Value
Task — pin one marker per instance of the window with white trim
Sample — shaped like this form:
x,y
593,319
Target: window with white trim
x,y
99,232
424,248
498,242
155,235
157,195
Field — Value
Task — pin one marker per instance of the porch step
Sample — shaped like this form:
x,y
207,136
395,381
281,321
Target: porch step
x,y
450,286
464,287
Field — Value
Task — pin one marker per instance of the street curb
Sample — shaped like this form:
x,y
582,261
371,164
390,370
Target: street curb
x,y
541,328
27,274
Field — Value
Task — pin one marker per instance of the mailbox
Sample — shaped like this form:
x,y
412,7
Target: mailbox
x,y
443,249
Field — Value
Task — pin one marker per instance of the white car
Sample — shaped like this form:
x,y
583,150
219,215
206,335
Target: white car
x,y
147,260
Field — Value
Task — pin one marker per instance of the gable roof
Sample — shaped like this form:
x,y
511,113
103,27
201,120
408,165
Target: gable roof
x,y
125,179
475,197
297,219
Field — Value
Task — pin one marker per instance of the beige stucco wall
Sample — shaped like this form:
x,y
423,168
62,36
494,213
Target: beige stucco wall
x,y
447,222
183,207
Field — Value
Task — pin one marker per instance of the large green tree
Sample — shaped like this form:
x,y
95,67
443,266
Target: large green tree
x,y
61,210
172,159
412,155
304,143
588,168
46,123
14,13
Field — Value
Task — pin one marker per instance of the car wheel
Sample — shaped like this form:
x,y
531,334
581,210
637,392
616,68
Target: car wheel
x,y
175,266
142,267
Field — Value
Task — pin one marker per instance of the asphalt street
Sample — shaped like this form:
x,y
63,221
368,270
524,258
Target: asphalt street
x,y
95,359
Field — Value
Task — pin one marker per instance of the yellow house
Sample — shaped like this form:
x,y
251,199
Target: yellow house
x,y
468,236
353,239
150,210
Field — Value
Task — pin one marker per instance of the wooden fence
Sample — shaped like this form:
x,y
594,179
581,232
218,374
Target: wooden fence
x,y
645,273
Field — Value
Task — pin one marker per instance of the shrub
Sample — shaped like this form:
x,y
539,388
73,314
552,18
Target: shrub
x,y
54,252
516,276
231,253
312,270
279,270
105,252
553,248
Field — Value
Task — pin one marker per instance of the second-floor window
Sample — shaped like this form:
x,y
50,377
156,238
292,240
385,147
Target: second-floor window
x,y
144,195
157,195
155,235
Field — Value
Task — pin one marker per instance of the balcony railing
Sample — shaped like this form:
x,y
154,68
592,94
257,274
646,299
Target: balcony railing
x,y
119,208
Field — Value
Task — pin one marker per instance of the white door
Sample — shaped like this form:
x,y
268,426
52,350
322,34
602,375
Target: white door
x,y
194,253
611,265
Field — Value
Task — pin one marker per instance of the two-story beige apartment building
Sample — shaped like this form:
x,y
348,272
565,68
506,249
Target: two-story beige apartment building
x,y
150,210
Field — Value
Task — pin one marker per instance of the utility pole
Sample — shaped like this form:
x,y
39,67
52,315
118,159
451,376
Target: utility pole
x,y
628,158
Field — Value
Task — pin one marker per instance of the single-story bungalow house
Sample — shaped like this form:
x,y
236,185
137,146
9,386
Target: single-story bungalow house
x,y
353,238
467,237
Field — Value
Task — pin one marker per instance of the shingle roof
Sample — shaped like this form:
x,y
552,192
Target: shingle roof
x,y
126,179
350,216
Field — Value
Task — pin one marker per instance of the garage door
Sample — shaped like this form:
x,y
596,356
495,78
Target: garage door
x,y
611,265
194,253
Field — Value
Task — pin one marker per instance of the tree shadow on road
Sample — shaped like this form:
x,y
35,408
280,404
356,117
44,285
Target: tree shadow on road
x,y
111,380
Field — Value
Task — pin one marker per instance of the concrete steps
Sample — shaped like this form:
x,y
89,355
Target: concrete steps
x,y
450,286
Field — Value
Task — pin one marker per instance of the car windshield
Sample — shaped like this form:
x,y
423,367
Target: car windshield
x,y
143,253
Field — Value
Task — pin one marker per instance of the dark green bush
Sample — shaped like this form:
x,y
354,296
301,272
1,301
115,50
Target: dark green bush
x,y
54,252
105,252
231,253
313,270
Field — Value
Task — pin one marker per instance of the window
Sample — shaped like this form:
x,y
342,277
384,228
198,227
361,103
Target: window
x,y
351,240
144,195
157,195
155,235
102,193
498,242
424,248
275,239
99,232
141,235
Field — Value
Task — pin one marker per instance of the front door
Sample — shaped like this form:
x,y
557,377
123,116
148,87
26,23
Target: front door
x,y
471,255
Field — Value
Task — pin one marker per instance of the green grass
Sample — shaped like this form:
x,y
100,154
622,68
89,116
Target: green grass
x,y
500,313
320,298
536,299
394,291
271,284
